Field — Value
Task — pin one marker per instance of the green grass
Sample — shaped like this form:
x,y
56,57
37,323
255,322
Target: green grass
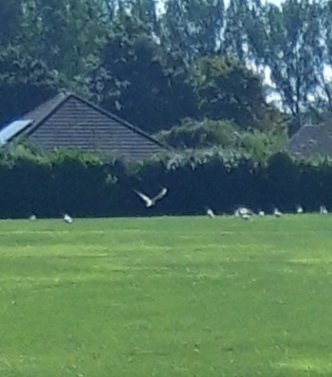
x,y
166,297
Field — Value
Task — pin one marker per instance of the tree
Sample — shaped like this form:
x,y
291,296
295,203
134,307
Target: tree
x,y
192,28
24,83
322,13
10,17
234,42
200,135
226,89
287,40
135,80
53,45
66,34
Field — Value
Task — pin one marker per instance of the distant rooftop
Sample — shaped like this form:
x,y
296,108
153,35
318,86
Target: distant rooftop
x,y
68,121
312,140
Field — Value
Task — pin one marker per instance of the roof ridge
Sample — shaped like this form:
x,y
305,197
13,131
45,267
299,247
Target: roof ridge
x,y
65,96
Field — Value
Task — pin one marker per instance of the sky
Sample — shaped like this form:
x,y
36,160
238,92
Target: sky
x,y
276,2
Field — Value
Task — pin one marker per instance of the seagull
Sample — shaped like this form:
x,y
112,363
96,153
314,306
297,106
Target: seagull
x,y
323,210
245,216
261,213
33,218
277,213
299,209
149,202
210,213
67,219
244,213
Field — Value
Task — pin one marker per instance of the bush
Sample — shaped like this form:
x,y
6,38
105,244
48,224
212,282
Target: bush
x,y
195,135
92,185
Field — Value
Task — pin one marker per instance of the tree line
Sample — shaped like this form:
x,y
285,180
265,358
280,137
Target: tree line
x,y
191,62
193,74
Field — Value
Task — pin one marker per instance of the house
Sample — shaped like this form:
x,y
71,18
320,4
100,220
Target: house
x,y
312,140
68,121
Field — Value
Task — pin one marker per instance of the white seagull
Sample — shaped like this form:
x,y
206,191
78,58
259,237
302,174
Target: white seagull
x,y
33,218
67,219
149,202
244,213
299,209
323,210
277,213
210,213
261,213
246,216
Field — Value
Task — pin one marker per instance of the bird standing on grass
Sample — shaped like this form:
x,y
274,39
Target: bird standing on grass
x,y
299,209
323,210
67,219
149,202
277,213
244,213
246,216
210,213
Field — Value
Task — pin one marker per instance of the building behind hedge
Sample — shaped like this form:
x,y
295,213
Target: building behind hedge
x,y
70,122
312,140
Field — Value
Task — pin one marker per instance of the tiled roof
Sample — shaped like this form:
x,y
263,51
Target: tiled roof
x,y
68,121
312,140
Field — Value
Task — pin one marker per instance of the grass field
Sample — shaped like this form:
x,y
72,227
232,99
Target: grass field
x,y
166,297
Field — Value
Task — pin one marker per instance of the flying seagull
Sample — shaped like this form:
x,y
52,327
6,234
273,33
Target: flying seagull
x,y
67,219
149,202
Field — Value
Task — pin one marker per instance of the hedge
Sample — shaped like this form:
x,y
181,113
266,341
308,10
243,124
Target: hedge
x,y
93,186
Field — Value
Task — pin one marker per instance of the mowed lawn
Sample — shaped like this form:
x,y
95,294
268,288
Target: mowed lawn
x,y
166,297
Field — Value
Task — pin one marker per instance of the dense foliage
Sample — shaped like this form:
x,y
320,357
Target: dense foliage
x,y
199,75
156,65
90,185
